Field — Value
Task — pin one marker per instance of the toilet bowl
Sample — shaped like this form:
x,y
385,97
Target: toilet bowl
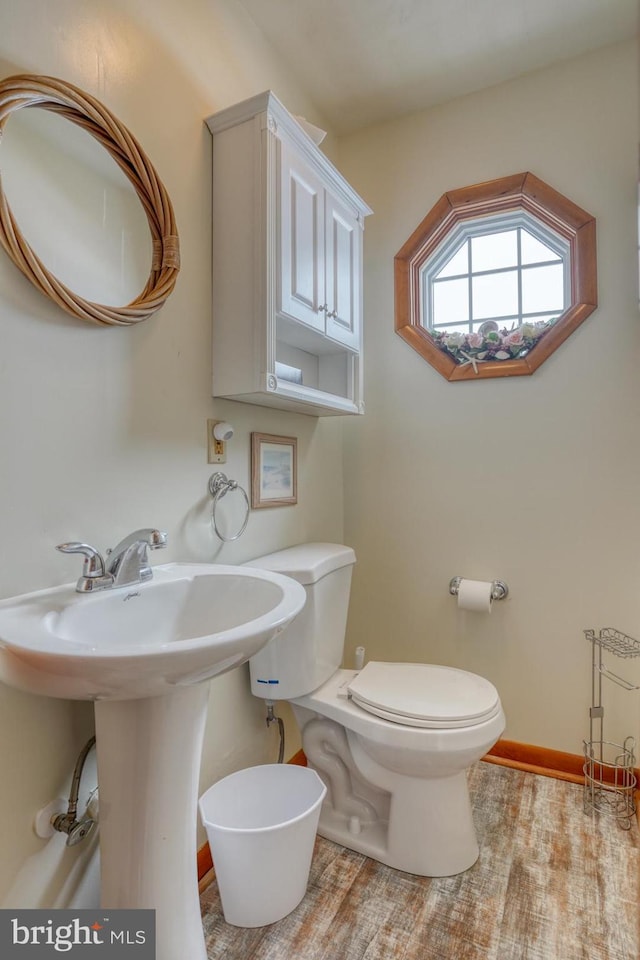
x,y
392,741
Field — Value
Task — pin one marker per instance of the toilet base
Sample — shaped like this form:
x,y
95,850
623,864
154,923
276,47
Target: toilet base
x,y
421,825
441,844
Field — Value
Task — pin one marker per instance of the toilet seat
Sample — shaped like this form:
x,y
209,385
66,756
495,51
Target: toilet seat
x,y
424,695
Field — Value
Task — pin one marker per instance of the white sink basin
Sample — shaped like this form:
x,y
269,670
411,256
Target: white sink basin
x,y
188,624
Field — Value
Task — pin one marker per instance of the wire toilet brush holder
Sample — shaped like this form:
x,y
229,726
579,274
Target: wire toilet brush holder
x,y
609,775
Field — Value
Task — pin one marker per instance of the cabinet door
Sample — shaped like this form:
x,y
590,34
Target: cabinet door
x,y
343,251
301,241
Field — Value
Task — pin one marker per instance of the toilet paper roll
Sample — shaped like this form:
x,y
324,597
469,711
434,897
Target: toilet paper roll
x,y
475,595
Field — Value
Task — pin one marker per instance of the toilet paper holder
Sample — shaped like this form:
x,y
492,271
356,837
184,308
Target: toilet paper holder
x,y
499,589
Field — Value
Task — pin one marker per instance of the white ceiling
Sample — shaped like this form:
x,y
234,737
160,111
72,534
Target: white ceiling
x,y
363,61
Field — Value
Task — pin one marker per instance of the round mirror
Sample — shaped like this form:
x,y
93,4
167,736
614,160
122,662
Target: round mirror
x,y
76,209
82,212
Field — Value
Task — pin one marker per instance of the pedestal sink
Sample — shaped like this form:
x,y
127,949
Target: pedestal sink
x,y
142,653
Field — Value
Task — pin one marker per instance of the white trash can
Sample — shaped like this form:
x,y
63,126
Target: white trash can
x,y
261,825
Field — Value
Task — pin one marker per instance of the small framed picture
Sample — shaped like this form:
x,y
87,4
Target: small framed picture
x,y
273,471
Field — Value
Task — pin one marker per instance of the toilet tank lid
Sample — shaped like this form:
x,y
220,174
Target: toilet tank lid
x,y
308,562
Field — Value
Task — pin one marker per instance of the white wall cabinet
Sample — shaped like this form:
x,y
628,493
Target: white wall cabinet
x,y
287,266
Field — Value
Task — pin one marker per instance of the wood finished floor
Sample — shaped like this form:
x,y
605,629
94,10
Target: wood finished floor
x,y
550,884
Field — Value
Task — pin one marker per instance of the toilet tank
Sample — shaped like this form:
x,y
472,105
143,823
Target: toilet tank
x,y
310,649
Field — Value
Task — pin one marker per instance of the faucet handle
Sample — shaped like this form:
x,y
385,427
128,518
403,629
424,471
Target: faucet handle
x,y
93,561
157,539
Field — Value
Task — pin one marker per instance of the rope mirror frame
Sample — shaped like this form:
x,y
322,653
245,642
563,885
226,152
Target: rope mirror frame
x,y
25,90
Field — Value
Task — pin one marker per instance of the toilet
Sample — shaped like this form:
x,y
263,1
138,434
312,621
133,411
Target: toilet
x,y
392,741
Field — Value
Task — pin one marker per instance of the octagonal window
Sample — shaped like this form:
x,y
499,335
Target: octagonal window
x,y
495,278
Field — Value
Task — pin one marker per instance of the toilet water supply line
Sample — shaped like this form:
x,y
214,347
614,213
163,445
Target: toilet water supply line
x,y
271,718
68,823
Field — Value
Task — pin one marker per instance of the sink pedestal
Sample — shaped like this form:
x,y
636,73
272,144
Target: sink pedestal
x,y
148,755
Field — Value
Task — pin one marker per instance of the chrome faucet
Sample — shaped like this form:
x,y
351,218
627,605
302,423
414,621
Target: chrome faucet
x,y
127,563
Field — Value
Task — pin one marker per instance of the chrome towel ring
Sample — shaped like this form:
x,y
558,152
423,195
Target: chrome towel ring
x,y
219,487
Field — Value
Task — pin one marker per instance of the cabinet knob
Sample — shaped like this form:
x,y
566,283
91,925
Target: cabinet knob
x,y
322,308
332,315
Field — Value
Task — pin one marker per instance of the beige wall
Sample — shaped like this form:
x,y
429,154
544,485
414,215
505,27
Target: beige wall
x,y
532,480
102,430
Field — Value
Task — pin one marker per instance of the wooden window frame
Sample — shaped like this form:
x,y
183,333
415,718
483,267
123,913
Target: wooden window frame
x,y
522,191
